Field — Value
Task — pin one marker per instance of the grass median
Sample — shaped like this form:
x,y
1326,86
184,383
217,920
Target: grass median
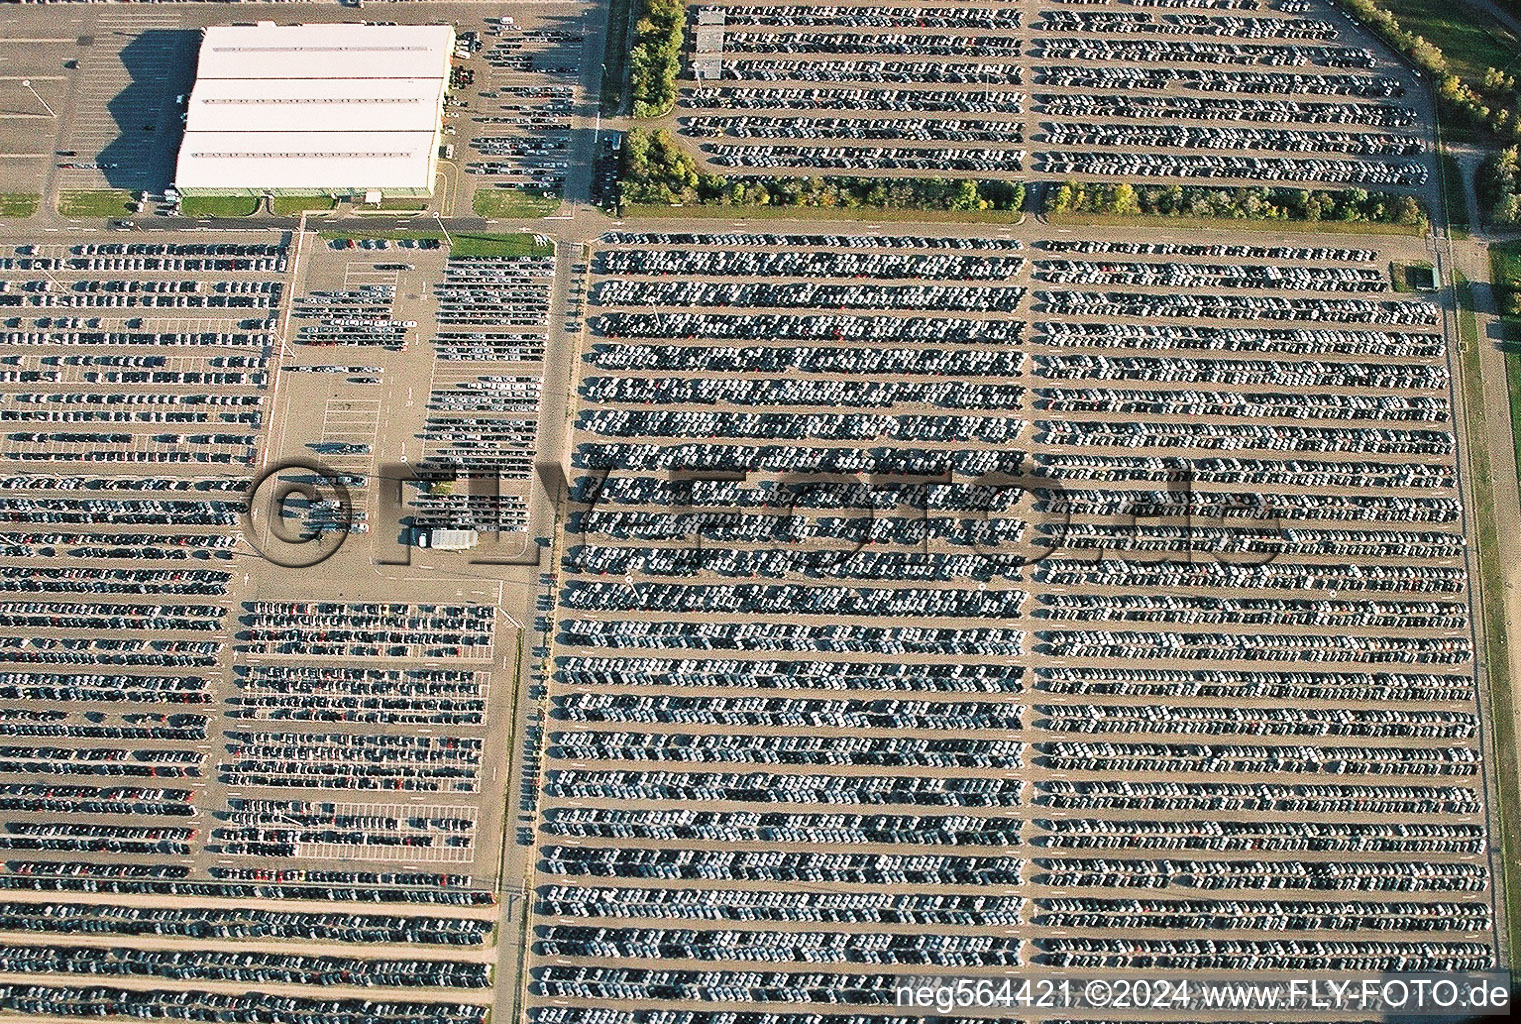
x,y
469,243
1495,677
1454,196
105,202
219,206
513,203
393,206
18,204
294,206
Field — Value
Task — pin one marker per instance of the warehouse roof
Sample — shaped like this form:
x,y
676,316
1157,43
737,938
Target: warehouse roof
x,y
316,107
314,160
267,51
378,105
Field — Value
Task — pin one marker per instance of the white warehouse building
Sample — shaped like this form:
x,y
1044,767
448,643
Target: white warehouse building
x,y
338,109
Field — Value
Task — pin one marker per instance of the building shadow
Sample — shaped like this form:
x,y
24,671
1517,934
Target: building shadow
x,y
160,64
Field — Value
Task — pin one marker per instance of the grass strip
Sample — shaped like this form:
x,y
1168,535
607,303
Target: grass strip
x,y
1454,196
513,203
18,204
1494,677
468,243
291,206
219,206
105,202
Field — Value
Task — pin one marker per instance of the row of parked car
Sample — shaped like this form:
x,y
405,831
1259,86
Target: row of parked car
x,y
249,1007
1211,166
859,100
1272,915
1231,26
351,761
1138,78
808,947
753,906
925,16
379,696
955,158
1242,954
244,967
1082,107
1217,275
933,265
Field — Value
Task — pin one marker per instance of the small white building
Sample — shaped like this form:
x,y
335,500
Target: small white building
x,y
335,109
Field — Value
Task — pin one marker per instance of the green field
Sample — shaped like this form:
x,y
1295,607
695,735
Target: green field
x,y
292,206
499,245
219,206
18,204
1470,41
106,202
513,203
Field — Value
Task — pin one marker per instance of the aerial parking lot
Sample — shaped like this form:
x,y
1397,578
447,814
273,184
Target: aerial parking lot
x,y
1173,655
857,493
1139,92
229,713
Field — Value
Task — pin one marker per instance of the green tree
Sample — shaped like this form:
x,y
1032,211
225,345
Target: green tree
x,y
1124,199
967,197
1507,210
656,58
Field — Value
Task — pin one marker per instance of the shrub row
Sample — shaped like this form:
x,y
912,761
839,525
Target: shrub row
x,y
1350,205
658,171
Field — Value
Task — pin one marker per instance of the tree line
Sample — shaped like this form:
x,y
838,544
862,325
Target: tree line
x,y
1500,186
657,170
1350,205
656,58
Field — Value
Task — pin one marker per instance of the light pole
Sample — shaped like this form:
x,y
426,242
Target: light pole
x,y
27,82
444,230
